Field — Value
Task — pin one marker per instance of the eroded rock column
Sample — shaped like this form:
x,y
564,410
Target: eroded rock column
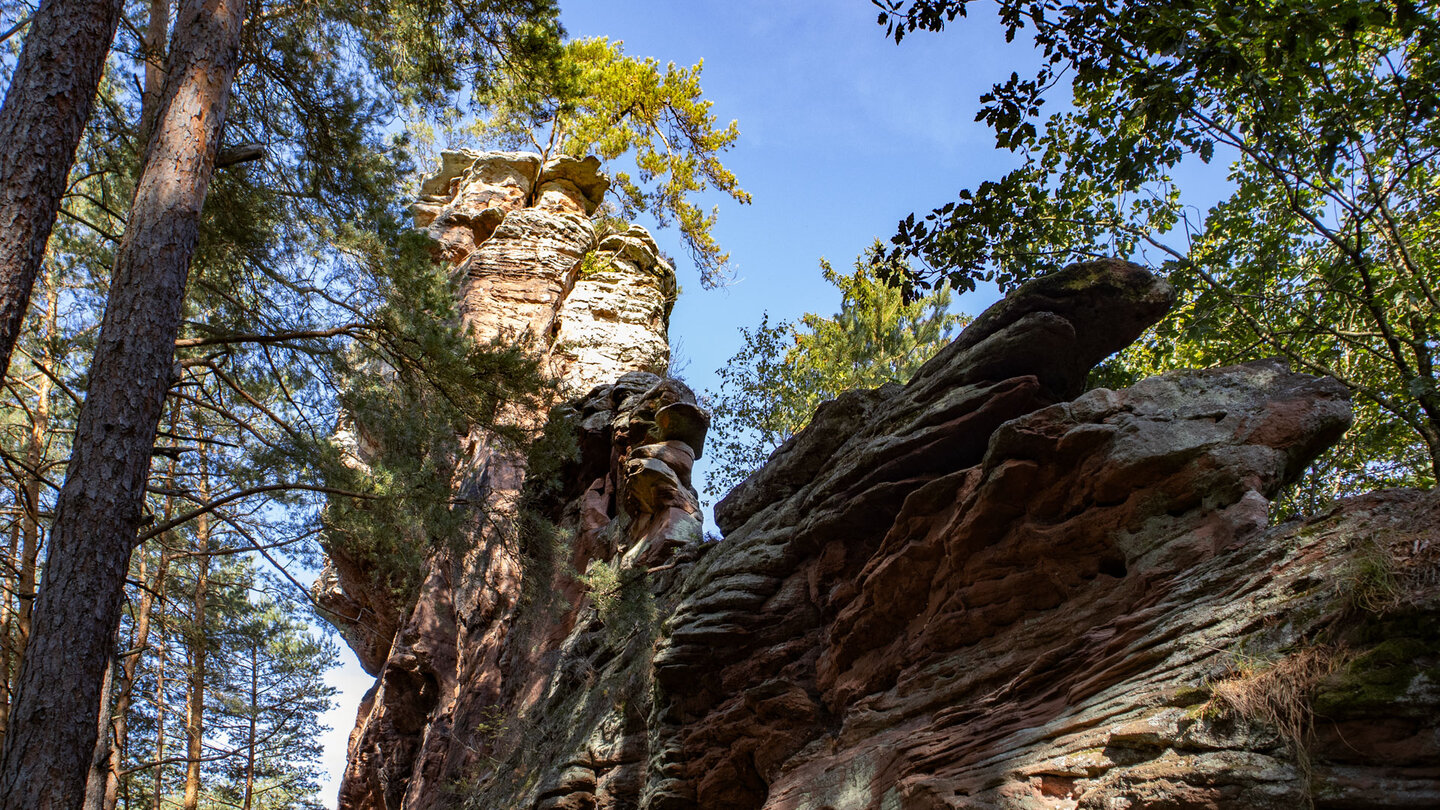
x,y
529,268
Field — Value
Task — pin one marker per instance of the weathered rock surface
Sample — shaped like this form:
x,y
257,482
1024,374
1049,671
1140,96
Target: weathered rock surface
x,y
615,315
986,588
356,597
528,266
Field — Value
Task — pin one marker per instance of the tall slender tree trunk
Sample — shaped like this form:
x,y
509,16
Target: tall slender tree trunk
x,y
7,620
52,731
34,459
251,741
30,521
129,667
195,694
46,108
155,33
28,526
160,657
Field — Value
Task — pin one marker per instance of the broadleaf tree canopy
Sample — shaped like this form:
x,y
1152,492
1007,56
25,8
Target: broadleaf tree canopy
x,y
770,389
1329,119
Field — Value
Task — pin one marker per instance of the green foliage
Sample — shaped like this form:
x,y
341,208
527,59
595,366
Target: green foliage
x,y
550,458
757,407
600,101
1330,120
876,337
493,723
545,554
602,580
264,693
622,600
270,700
430,50
411,397
772,386
307,293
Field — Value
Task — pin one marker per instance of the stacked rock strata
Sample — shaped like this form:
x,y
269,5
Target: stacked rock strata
x,y
529,261
475,657
650,432
990,589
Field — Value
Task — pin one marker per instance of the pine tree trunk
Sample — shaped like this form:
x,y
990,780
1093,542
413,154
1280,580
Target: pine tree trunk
x,y
155,32
160,656
7,622
34,458
30,521
46,108
28,528
100,760
253,731
52,730
195,694
139,643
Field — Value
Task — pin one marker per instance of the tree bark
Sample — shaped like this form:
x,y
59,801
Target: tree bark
x,y
35,455
7,620
100,760
139,643
47,750
154,54
157,796
46,108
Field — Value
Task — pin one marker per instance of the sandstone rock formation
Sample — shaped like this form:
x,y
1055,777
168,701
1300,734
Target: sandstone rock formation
x,y
519,238
615,315
529,267
986,588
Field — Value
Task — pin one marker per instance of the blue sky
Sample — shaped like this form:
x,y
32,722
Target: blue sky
x,y
843,133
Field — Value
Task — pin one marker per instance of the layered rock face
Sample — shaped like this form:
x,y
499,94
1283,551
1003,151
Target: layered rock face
x,y
986,588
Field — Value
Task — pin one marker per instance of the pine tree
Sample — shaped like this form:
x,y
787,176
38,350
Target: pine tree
x,y
21,563
244,673
44,763
271,701
266,337
598,100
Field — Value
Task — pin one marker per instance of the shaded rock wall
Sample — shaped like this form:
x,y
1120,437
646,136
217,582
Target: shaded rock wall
x,y
986,588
